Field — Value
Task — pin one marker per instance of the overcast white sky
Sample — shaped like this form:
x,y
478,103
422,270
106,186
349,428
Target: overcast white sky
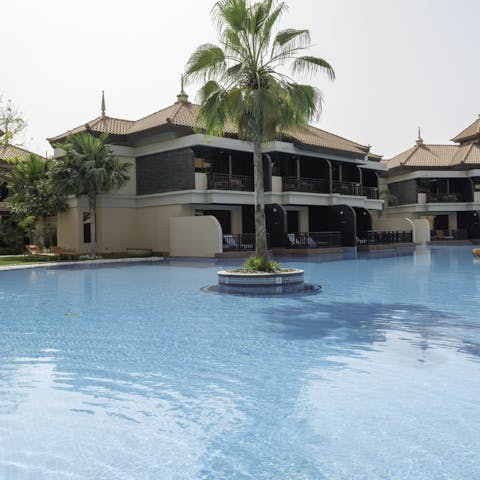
x,y
399,63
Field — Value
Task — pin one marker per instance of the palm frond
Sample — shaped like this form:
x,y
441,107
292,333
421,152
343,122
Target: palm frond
x,y
206,62
292,37
309,65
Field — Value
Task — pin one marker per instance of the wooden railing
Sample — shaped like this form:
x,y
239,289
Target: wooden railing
x,y
222,181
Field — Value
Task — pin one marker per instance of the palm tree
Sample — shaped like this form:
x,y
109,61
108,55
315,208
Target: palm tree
x,y
244,82
30,196
88,167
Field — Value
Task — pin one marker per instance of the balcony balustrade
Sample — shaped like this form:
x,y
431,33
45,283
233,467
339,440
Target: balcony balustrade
x,y
445,197
222,181
371,237
310,240
370,192
460,234
347,188
240,242
308,185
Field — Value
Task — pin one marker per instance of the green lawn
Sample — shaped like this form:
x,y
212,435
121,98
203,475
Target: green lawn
x,y
23,259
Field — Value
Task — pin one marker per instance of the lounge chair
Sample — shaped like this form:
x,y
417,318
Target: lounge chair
x,y
36,251
293,240
33,250
311,242
59,251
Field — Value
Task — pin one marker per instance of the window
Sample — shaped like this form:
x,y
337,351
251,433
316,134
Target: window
x,y
87,232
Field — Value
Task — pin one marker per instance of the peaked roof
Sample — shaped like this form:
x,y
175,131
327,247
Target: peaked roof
x,y
184,114
469,133
101,124
10,152
423,155
435,156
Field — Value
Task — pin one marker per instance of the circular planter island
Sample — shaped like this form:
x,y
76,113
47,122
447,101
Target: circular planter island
x,y
254,283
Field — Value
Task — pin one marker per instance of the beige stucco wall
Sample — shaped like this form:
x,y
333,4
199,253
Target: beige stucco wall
x,y
116,229
391,223
419,226
201,181
69,230
153,227
421,230
276,184
195,236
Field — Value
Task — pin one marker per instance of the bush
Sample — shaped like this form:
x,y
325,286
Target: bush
x,y
10,237
259,264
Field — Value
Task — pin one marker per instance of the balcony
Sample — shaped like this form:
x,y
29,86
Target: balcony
x,y
308,185
222,181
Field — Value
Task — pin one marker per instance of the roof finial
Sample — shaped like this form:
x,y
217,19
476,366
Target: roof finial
x,y
419,139
103,103
182,96
182,80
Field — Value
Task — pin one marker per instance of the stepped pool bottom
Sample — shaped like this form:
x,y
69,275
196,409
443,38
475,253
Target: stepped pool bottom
x,y
134,372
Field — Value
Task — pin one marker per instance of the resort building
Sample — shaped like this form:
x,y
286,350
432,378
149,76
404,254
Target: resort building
x,y
192,194
439,183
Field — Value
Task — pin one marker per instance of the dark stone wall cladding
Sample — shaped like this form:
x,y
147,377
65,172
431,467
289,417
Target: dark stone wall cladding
x,y
406,191
165,172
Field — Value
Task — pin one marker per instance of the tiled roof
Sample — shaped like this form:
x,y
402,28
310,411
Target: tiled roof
x,y
471,132
184,114
467,154
423,155
315,137
102,124
9,152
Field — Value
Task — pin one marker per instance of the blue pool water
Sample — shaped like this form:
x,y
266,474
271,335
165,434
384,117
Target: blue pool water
x,y
135,373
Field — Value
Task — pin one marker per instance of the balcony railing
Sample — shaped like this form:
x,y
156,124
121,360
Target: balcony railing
x,y
222,181
347,188
370,192
309,185
381,238
313,240
460,234
445,197
240,242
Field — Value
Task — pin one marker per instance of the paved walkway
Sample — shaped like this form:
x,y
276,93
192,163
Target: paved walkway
x,y
102,261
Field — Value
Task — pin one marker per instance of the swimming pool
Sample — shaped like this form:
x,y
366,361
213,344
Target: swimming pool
x,y
136,373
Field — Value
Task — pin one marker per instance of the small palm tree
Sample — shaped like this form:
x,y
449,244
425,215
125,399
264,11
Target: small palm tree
x,y
88,167
244,82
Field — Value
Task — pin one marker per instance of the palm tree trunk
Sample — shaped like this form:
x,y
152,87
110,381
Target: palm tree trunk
x,y
92,205
260,224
